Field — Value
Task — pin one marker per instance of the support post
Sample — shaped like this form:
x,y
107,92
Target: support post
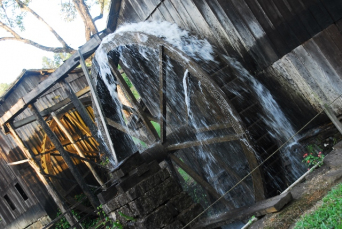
x,y
98,106
333,117
47,183
85,116
79,151
78,177
200,181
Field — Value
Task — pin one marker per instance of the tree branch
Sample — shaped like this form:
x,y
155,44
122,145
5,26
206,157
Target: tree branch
x,y
28,9
101,11
45,48
8,29
83,11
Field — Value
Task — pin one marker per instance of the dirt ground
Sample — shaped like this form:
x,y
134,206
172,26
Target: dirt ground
x,y
308,193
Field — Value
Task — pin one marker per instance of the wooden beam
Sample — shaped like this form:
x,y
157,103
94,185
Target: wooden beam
x,y
48,110
79,151
200,180
93,200
18,162
98,106
162,95
85,117
261,208
47,183
126,130
227,138
330,113
149,127
60,73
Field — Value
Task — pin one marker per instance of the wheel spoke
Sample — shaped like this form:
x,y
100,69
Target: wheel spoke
x,y
218,126
126,130
162,96
150,129
227,138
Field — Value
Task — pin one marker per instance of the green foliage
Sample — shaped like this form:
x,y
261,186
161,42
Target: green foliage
x,y
131,86
56,61
329,215
105,161
11,15
68,10
313,157
157,127
3,88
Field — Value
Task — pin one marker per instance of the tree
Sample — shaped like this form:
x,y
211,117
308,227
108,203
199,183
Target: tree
x,y
56,61
3,88
12,13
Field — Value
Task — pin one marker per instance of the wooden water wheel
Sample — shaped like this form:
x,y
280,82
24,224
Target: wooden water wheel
x,y
202,120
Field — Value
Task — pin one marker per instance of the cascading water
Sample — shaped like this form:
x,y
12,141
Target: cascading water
x,y
279,126
190,103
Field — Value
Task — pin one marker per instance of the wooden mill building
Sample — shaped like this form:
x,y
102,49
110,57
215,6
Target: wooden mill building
x,y
291,46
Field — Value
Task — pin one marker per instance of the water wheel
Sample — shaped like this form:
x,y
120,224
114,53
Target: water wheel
x,y
178,108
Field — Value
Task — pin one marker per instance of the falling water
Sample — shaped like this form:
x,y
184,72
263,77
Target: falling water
x,y
279,126
180,93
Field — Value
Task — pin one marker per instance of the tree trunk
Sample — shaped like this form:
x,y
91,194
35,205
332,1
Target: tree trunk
x,y
82,9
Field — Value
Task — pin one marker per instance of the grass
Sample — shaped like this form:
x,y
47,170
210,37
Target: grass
x,y
329,215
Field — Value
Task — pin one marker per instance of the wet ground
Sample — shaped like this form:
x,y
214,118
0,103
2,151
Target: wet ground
x,y
308,193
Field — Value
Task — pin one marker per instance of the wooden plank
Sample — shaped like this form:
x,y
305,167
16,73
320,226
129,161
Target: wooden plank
x,y
200,180
331,54
261,208
279,24
73,169
112,20
245,36
165,12
228,27
85,117
141,8
292,20
328,75
35,165
78,149
276,39
127,13
162,95
174,13
224,39
184,14
335,35
309,21
151,130
154,10
48,110
259,34
334,7
110,154
209,141
319,12
87,49
138,8
318,83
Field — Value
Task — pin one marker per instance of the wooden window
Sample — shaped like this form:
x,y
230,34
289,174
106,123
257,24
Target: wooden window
x,y
10,203
21,191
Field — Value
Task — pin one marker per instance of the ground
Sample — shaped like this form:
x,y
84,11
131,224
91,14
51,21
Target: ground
x,y
308,194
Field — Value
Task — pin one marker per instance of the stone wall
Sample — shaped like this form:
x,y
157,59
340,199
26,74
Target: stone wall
x,y
148,194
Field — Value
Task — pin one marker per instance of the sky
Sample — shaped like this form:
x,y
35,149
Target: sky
x,y
16,56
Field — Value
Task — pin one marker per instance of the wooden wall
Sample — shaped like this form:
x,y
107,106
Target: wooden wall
x,y
39,202
292,46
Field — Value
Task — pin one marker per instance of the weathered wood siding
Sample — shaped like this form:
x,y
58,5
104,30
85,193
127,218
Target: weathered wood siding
x,y
294,44
39,202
